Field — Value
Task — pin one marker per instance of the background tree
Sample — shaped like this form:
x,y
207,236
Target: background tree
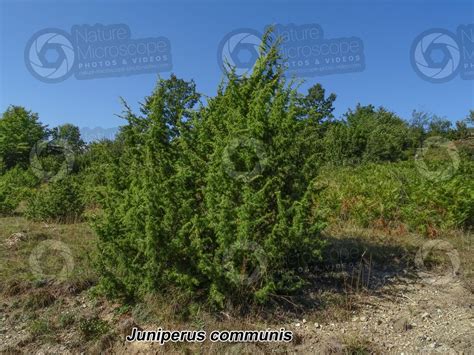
x,y
461,131
439,126
316,106
20,130
418,125
69,134
316,116
470,122
367,135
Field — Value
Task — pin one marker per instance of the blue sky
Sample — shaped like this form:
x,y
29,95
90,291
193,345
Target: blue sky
x,y
195,28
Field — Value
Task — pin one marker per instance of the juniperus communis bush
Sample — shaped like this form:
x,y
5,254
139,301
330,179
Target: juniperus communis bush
x,y
16,185
215,201
58,201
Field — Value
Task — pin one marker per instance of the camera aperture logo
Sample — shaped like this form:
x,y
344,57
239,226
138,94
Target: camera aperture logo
x,y
239,49
98,51
50,55
303,49
438,55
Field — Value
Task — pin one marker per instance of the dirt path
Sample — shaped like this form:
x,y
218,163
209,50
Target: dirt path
x,y
413,313
410,316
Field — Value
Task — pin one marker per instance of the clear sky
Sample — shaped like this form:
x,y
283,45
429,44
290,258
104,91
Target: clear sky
x,y
195,28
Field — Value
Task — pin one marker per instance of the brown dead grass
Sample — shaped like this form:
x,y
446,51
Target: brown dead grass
x,y
53,309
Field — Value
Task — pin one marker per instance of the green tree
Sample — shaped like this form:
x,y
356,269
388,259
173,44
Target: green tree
x,y
316,117
367,135
139,232
316,106
20,130
216,202
461,131
470,122
418,127
470,117
258,192
69,134
439,126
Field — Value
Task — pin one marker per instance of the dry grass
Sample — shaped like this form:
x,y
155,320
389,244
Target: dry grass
x,y
359,346
33,254
58,311
391,249
55,311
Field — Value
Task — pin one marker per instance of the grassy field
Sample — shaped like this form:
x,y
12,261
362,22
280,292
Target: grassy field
x,y
47,288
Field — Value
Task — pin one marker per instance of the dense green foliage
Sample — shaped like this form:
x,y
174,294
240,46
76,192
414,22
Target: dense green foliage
x,y
215,202
367,135
69,134
19,132
60,201
15,186
397,195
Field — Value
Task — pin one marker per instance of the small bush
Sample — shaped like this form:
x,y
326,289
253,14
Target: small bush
x,y
93,328
15,186
66,320
41,327
57,201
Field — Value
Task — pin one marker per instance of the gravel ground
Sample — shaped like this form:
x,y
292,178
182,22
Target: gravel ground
x,y
408,317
